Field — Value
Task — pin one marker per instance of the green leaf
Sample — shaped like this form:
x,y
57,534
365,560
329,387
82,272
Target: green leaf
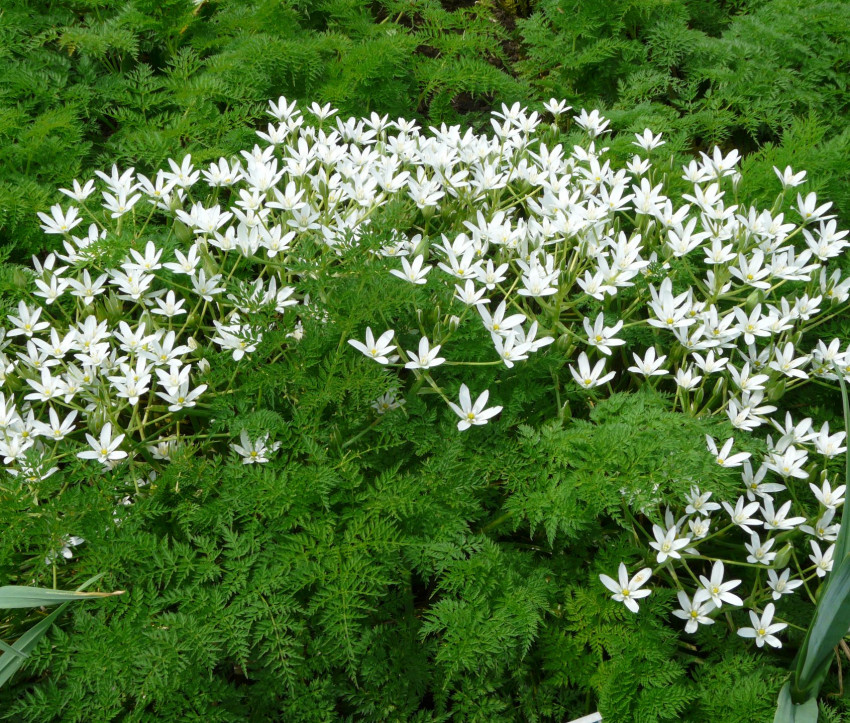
x,y
787,711
16,596
832,619
842,544
9,649
9,662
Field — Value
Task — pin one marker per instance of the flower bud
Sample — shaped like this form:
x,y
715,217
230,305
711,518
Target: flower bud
x,y
717,392
13,383
192,343
113,307
783,556
454,322
421,248
203,366
97,418
562,343
19,279
335,436
756,297
698,397
182,232
776,391
736,179
431,317
207,262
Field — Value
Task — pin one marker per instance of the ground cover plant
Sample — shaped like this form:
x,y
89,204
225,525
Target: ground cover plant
x,y
377,422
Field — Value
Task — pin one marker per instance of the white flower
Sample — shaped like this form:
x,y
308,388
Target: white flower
x,y
412,272
762,630
206,288
779,519
186,263
822,561
470,413
26,323
386,402
723,458
780,584
600,336
182,397
48,389
741,515
322,111
587,378
254,452
59,222
788,178
699,527
57,429
627,591
593,123
827,444
511,349
759,553
171,307
241,339
86,289
823,529
80,193
667,544
375,349
104,450
698,502
469,295
789,463
426,358
556,107
695,611
649,365
69,541
648,142
828,497
718,590
497,323
755,482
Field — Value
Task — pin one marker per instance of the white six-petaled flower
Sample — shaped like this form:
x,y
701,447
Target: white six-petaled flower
x,y
763,630
473,414
376,349
694,611
588,378
426,358
627,591
254,452
105,448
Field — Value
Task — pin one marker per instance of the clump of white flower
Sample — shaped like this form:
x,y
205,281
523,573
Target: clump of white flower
x,y
104,357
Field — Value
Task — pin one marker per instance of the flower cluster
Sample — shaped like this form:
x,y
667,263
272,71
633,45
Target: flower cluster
x,y
768,527
544,248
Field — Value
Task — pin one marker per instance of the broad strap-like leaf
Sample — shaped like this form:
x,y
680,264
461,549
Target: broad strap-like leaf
x,y
830,625
787,711
842,544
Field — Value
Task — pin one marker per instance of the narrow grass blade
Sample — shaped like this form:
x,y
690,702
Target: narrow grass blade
x,y
24,645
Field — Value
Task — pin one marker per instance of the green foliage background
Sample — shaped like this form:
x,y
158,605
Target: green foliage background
x,y
419,575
